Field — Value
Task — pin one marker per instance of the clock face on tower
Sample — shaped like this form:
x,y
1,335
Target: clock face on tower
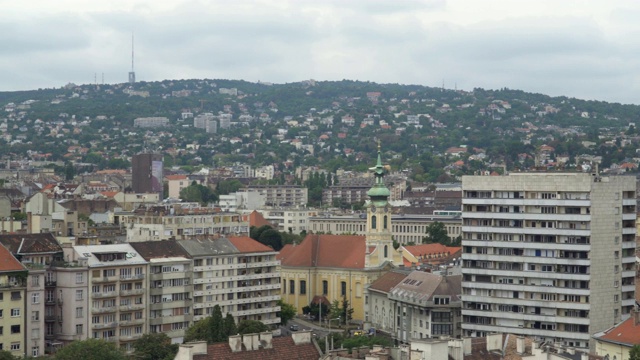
x,y
373,209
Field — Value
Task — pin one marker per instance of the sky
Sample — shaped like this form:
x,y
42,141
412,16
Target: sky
x,y
583,49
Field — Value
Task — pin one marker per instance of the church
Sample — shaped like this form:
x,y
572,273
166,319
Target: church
x,y
335,267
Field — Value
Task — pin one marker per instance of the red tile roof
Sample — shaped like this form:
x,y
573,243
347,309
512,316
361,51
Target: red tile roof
x,y
627,332
283,349
429,249
256,219
176,177
340,251
245,244
8,262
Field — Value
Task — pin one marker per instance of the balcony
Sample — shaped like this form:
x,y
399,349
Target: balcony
x,y
131,292
126,308
105,279
264,310
105,326
130,337
50,283
132,322
104,294
104,310
50,318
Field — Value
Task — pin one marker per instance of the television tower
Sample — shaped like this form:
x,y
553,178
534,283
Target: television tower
x,y
132,73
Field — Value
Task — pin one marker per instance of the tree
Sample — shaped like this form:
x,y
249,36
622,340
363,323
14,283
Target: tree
x,y
287,312
272,238
198,193
255,232
216,326
90,349
6,355
155,346
226,187
346,311
436,233
230,327
251,327
199,331
634,353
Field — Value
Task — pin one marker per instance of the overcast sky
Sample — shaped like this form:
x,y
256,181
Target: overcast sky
x,y
584,49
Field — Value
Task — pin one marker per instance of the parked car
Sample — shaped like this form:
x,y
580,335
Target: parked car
x,y
293,327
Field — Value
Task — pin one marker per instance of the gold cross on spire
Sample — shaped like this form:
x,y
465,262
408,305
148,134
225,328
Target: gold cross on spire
x,y
378,144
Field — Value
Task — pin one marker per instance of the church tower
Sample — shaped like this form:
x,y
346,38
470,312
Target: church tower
x,y
379,241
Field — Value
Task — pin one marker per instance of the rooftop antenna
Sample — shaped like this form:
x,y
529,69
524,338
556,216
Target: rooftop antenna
x,y
132,74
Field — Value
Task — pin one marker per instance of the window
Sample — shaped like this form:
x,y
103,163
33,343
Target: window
x,y
343,288
79,278
15,346
35,298
35,333
35,315
79,312
374,221
35,351
79,329
79,294
108,272
325,287
292,287
15,329
35,280
15,295
15,312
303,287
386,251
385,222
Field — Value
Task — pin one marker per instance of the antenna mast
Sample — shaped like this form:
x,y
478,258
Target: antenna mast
x,y
132,74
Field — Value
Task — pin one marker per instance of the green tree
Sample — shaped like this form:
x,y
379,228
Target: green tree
x,y
335,310
217,331
436,233
198,193
199,331
230,327
228,186
634,353
255,232
90,349
251,327
346,312
155,346
287,312
272,238
6,355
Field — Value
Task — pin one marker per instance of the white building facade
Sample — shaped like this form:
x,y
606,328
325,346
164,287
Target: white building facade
x,y
548,255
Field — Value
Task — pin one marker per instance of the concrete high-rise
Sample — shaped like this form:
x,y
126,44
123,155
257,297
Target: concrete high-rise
x,y
548,255
147,172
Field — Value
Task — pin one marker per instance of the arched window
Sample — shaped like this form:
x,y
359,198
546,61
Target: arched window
x,y
385,222
386,251
374,221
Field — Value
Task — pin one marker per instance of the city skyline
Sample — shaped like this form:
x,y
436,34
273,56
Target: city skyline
x,y
576,49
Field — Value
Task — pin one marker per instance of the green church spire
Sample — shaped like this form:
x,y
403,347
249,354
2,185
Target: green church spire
x,y
378,193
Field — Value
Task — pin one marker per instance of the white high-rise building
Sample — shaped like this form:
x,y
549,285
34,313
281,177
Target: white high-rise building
x,y
548,255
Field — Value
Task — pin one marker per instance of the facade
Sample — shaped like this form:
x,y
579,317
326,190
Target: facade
x,y
37,252
13,276
150,122
146,172
170,308
238,274
180,221
548,255
102,293
418,305
293,220
337,267
616,343
405,228
242,200
282,195
177,183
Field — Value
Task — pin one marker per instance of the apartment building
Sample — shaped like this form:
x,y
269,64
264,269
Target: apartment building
x,y
293,220
13,286
282,195
418,305
36,252
170,308
102,292
405,228
548,255
239,274
179,221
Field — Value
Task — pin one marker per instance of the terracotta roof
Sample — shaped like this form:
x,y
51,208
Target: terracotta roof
x,y
109,194
256,219
245,244
387,281
340,251
30,243
283,349
8,262
427,249
176,177
627,332
159,249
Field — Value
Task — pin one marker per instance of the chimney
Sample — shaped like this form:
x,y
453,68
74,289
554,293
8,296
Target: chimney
x,y
571,351
494,342
466,345
636,316
520,345
246,341
266,340
235,343
456,348
301,337
584,356
255,341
